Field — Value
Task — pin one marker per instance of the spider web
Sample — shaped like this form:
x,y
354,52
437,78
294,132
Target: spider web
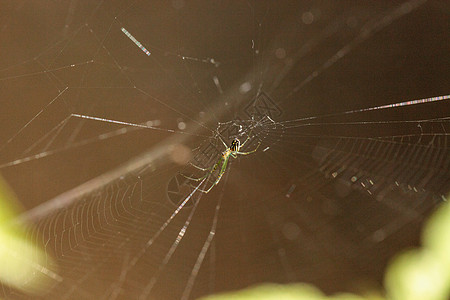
x,y
349,101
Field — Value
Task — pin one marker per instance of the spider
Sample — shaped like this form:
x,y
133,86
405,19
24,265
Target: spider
x,y
231,151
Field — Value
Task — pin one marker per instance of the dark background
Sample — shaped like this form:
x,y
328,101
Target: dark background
x,y
343,236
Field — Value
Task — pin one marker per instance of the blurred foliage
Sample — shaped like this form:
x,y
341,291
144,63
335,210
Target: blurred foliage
x,y
416,274
422,273
8,207
21,261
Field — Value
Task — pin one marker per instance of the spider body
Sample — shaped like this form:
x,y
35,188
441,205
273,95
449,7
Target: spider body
x,y
235,145
231,151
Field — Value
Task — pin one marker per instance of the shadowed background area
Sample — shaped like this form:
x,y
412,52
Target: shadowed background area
x,y
94,133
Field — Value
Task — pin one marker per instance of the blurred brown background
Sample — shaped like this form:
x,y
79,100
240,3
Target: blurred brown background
x,y
70,57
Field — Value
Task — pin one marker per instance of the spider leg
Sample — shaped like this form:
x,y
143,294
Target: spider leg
x,y
200,168
208,173
249,152
222,171
248,137
210,188
246,140
194,179
215,182
200,190
221,139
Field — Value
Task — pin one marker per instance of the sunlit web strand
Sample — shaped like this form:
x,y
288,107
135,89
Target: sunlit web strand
x,y
393,105
142,91
366,31
43,154
148,288
147,94
32,119
85,142
131,124
45,51
175,110
208,60
163,227
81,143
436,120
48,71
206,245
407,103
56,130
132,38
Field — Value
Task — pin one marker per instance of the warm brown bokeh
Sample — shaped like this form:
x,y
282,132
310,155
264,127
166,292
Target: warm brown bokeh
x,y
299,211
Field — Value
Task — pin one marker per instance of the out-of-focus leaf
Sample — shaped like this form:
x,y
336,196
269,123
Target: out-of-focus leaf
x,y
22,262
